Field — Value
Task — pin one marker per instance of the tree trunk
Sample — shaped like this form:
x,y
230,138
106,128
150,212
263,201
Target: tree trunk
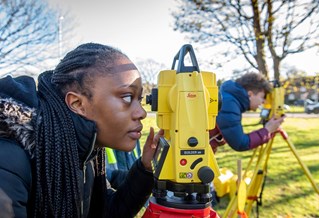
x,y
276,61
260,40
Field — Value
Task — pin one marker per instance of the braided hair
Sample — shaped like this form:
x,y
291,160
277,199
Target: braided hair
x,y
56,189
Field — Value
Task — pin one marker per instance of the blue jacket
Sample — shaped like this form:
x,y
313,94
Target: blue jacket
x,y
235,101
19,96
118,163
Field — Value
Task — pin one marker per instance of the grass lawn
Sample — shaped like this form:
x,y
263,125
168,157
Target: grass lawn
x,y
288,192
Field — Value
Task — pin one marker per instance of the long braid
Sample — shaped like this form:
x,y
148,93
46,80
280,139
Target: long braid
x,y
57,188
57,160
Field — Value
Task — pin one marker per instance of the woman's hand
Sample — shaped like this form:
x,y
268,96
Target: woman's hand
x,y
149,148
273,124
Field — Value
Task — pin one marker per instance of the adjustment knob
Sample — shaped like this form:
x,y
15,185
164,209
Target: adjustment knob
x,y
206,174
192,141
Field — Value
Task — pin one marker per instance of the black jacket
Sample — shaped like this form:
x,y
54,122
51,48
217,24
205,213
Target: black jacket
x,y
16,143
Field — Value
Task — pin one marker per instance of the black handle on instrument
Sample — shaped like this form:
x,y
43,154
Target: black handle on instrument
x,y
181,68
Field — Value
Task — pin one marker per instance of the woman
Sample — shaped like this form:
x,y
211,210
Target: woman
x,y
51,138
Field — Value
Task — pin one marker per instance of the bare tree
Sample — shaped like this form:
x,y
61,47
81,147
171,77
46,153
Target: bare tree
x,y
28,35
149,70
256,30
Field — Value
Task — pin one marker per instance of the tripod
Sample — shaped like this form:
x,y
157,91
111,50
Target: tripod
x,y
256,185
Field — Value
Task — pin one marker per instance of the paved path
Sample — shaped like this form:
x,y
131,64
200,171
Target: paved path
x,y
250,114
296,115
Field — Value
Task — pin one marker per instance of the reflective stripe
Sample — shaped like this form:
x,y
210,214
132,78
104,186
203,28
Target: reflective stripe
x,y
218,138
215,135
135,152
110,156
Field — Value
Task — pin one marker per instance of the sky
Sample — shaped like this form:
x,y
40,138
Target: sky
x,y
143,29
140,28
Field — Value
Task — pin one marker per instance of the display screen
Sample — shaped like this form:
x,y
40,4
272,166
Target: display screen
x,y
264,113
160,156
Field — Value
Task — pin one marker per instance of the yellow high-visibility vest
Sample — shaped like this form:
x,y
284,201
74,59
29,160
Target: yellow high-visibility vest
x,y
111,159
111,156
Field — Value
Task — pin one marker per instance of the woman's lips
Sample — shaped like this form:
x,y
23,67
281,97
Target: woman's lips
x,y
136,133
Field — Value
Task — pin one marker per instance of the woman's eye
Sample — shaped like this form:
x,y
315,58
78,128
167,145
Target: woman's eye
x,y
128,98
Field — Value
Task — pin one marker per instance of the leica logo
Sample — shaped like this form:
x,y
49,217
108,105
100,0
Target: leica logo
x,y
191,95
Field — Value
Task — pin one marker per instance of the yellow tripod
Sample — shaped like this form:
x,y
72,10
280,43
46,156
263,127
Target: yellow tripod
x,y
255,186
273,107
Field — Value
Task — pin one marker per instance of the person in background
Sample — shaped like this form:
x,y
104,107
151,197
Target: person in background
x,y
245,93
53,134
118,163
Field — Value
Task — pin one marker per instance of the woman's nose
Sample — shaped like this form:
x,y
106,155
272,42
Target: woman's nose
x,y
140,112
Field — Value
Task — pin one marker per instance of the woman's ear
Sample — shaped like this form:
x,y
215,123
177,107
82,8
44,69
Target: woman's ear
x,y
75,102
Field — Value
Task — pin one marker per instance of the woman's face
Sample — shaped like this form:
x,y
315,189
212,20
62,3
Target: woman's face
x,y
116,107
256,99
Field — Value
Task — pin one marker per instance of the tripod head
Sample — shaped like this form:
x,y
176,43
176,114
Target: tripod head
x,y
274,103
186,101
